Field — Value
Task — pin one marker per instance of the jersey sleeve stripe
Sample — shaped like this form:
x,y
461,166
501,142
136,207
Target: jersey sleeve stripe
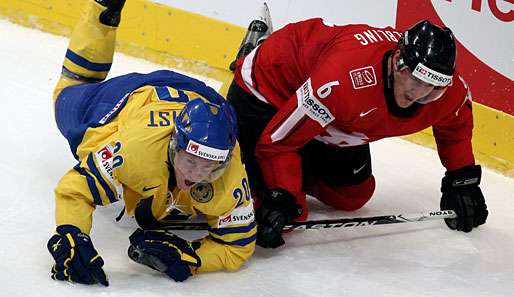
x,y
83,62
163,93
246,73
224,231
92,166
239,242
68,73
288,125
91,184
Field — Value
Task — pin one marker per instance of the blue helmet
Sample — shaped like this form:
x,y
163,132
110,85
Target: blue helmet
x,y
206,130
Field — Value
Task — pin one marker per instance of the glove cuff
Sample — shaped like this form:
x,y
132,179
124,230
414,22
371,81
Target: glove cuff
x,y
284,201
63,229
464,177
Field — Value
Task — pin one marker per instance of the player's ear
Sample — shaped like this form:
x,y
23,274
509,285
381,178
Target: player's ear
x,y
398,61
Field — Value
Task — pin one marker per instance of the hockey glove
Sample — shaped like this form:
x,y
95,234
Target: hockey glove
x,y
112,14
76,260
462,194
163,251
279,207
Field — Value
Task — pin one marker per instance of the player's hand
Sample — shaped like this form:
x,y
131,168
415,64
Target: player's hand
x,y
462,194
76,260
279,207
165,252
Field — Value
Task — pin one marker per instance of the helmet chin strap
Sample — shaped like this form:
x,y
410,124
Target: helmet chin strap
x,y
392,106
390,76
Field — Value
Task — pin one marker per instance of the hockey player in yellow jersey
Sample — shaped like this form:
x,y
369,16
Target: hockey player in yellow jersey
x,y
163,143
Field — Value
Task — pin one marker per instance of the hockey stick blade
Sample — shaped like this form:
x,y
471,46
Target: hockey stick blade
x,y
339,223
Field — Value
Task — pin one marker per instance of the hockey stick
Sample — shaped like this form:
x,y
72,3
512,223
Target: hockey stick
x,y
339,223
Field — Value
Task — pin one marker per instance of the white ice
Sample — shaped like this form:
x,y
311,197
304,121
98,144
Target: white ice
x,y
417,259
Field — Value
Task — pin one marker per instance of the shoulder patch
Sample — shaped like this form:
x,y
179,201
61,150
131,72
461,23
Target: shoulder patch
x,y
202,192
107,161
311,106
239,216
363,77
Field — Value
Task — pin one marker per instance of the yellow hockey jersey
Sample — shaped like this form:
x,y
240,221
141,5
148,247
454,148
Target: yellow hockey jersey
x,y
124,156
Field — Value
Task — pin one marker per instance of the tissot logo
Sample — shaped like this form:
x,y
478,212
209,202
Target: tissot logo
x,y
311,106
430,76
421,70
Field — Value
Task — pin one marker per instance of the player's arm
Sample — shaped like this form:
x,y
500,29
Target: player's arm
x,y
231,239
73,201
460,185
86,185
76,259
232,233
228,246
306,114
453,137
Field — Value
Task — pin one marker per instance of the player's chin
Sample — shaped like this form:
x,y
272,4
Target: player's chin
x,y
405,101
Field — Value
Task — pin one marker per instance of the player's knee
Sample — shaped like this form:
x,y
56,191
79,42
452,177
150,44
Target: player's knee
x,y
347,198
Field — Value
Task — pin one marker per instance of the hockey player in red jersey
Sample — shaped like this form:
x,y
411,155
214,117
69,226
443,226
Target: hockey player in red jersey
x,y
313,95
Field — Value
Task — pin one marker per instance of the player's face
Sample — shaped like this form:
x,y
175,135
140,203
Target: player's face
x,y
409,89
190,169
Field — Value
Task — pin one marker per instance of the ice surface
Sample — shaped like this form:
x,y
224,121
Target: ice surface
x,y
419,259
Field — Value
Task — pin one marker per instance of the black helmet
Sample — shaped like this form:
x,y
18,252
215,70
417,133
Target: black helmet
x,y
429,51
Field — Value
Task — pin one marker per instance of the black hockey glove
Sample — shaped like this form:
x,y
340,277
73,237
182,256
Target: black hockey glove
x,y
76,260
112,14
279,207
165,252
462,194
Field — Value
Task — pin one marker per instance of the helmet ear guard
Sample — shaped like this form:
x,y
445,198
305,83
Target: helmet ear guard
x,y
400,64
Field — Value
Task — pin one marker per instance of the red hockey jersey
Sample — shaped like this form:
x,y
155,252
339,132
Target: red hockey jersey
x,y
328,84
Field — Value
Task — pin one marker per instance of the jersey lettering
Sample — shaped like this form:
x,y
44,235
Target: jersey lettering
x,y
163,119
311,106
376,35
239,216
